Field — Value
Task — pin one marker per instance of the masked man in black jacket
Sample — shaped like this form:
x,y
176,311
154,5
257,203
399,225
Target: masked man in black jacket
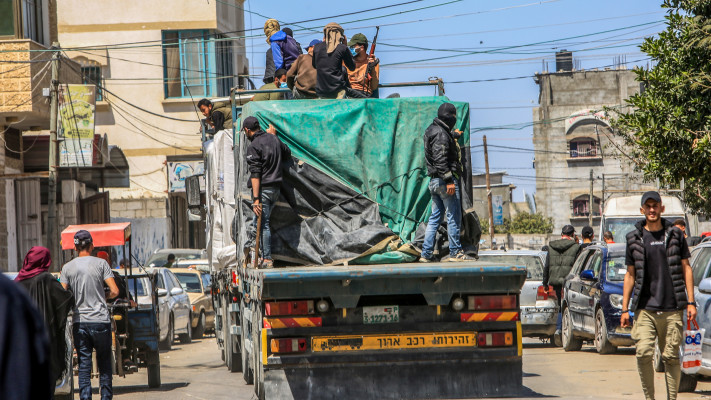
x,y
265,156
444,166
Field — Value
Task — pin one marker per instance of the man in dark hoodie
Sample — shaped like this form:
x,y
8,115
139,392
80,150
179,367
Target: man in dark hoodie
x,y
265,156
559,261
444,166
659,272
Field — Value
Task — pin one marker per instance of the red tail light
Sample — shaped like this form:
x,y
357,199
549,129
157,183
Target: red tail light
x,y
234,278
282,346
543,295
496,302
289,307
495,339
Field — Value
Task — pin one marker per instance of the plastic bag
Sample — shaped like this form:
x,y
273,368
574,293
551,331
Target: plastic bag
x,y
691,353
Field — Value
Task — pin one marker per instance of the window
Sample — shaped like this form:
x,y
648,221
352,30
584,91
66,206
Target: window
x,y
583,147
580,261
700,264
581,206
92,76
595,264
159,281
7,18
32,23
225,66
189,282
206,281
189,63
22,19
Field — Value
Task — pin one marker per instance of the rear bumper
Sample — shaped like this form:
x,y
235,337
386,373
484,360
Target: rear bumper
x,y
482,373
538,322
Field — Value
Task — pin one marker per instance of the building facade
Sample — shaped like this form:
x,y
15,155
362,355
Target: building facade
x,y
572,137
151,64
501,192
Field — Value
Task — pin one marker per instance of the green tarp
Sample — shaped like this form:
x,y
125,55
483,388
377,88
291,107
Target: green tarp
x,y
374,146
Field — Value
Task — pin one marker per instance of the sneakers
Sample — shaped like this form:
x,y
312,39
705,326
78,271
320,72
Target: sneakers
x,y
425,260
267,263
461,257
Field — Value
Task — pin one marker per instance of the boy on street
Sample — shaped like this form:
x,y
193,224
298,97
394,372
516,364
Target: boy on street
x,y
659,272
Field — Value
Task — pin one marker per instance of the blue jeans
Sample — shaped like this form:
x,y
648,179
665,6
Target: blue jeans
x,y
269,197
442,202
90,336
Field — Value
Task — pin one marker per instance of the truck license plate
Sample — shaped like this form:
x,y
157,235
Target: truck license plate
x,y
393,342
381,315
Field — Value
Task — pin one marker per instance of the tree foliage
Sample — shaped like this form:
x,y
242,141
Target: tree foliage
x,y
668,131
522,222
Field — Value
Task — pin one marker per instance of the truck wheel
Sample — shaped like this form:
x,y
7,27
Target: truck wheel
x,y
153,375
199,331
658,363
602,343
570,342
167,343
187,337
687,383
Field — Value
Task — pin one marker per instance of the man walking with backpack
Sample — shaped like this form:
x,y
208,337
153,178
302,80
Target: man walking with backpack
x,y
659,272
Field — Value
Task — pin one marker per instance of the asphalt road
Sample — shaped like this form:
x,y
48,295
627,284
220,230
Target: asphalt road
x,y
195,371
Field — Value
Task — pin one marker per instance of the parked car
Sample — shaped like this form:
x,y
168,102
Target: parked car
x,y
539,310
202,264
592,300
197,285
160,257
174,308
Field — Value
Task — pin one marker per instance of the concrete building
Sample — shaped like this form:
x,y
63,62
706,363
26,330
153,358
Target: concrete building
x,y
152,63
500,191
572,136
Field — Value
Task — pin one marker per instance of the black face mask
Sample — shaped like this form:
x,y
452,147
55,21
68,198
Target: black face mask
x,y
447,113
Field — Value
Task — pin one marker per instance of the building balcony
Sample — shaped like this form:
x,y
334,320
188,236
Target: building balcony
x,y
24,72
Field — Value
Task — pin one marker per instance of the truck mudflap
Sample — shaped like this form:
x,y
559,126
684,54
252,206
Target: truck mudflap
x,y
439,379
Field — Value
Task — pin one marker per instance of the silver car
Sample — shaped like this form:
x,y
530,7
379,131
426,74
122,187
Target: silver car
x,y
539,310
160,257
173,308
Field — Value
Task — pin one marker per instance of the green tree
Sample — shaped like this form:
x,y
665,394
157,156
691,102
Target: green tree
x,y
668,131
524,222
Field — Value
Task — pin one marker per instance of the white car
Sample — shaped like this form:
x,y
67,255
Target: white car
x,y
539,310
160,257
173,308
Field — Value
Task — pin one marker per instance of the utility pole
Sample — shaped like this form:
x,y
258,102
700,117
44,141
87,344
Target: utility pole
x,y
488,196
52,235
591,203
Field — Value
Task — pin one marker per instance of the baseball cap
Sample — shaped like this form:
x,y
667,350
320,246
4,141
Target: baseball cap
x,y
358,38
587,232
82,236
568,230
313,43
651,195
250,123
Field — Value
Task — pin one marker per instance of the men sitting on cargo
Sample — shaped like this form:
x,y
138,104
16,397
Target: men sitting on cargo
x,y
219,115
265,156
444,166
279,83
301,77
364,78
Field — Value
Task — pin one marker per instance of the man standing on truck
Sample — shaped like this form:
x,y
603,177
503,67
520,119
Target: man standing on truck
x,y
218,115
265,156
444,166
329,58
85,277
559,261
658,270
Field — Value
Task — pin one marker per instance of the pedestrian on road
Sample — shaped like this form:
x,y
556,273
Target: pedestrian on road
x,y
658,270
559,261
278,83
364,78
24,347
266,155
681,224
609,239
85,276
301,77
53,302
587,235
444,167
328,59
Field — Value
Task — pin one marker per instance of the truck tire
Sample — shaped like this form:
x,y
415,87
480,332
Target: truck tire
x,y
167,343
602,342
570,342
199,331
153,376
687,383
187,337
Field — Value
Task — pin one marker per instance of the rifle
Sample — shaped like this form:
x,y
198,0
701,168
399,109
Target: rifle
x,y
371,67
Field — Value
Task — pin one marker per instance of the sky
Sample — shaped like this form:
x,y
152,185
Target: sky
x,y
466,40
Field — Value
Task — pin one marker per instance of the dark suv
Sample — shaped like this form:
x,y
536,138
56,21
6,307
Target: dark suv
x,y
592,300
